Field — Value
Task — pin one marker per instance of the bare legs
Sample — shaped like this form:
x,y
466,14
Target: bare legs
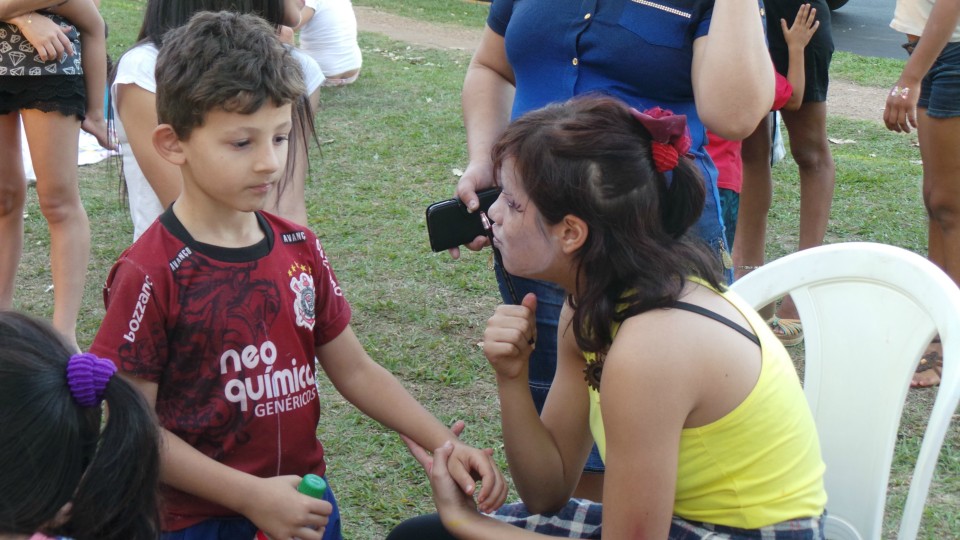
x,y
53,144
941,196
13,189
808,145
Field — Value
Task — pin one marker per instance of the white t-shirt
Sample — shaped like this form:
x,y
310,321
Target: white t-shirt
x,y
330,36
911,16
137,67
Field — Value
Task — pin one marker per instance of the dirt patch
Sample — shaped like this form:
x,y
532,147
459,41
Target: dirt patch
x,y
416,32
845,99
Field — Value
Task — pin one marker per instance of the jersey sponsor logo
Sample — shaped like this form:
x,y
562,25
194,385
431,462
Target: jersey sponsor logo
x,y
178,260
305,300
275,390
294,237
138,310
326,264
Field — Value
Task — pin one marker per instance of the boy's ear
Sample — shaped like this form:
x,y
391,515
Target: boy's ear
x,y
574,233
167,143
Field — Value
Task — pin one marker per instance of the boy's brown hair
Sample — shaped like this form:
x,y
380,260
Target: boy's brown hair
x,y
225,61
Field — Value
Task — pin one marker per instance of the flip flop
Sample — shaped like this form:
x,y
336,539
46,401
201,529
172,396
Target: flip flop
x,y
930,360
788,331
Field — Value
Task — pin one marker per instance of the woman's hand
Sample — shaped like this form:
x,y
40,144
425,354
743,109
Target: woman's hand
x,y
900,113
477,464
510,337
454,507
477,177
47,37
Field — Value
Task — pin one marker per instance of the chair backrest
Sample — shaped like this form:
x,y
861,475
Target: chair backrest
x,y
868,312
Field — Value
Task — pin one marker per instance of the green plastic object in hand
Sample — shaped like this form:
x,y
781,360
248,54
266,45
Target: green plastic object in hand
x,y
311,485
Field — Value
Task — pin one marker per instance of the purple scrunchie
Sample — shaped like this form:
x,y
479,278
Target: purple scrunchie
x,y
87,376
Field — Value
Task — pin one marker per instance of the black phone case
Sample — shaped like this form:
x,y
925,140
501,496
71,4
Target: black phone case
x,y
450,225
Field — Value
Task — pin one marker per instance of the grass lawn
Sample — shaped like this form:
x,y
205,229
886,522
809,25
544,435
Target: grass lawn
x,y
390,144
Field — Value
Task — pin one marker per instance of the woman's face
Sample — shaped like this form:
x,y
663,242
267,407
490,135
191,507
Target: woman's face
x,y
291,12
528,245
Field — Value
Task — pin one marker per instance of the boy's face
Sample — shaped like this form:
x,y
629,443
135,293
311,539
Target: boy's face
x,y
234,160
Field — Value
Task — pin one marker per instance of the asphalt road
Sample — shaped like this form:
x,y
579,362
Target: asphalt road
x,y
863,27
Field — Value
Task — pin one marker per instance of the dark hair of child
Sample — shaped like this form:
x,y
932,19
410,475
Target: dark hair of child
x,y
207,70
53,451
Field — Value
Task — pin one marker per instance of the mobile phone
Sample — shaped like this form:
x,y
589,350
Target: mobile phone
x,y
450,225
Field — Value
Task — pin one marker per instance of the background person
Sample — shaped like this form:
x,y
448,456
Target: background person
x,y
44,85
328,33
927,97
807,127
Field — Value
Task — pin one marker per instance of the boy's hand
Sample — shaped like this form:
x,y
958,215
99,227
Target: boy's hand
x,y
47,37
804,26
510,337
283,513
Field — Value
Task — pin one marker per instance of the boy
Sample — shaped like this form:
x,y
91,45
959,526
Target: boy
x,y
217,311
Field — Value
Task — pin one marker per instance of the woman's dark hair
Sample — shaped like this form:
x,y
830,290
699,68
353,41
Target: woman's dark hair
x,y
52,451
591,158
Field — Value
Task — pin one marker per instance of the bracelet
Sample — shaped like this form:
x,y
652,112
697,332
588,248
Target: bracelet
x,y
898,91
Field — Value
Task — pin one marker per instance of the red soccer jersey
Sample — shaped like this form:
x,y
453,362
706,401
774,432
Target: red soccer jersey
x,y
229,336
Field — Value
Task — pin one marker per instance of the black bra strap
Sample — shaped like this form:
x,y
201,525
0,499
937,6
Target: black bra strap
x,y
719,318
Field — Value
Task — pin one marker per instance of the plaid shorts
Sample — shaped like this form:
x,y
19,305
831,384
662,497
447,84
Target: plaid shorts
x,y
582,519
794,529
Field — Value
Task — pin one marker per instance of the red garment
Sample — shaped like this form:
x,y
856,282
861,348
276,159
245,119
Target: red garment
x,y
726,154
229,336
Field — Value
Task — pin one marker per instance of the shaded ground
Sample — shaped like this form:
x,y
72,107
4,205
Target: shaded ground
x,y
845,99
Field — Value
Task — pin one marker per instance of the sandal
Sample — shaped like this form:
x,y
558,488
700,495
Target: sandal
x,y
931,360
788,331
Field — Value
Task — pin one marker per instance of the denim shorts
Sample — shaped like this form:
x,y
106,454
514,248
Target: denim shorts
x,y
940,89
241,528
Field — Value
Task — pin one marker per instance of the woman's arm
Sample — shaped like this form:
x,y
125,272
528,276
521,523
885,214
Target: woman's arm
x,y
305,15
487,97
647,393
137,109
546,453
900,113
14,8
732,74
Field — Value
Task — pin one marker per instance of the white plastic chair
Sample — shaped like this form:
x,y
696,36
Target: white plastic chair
x,y
868,312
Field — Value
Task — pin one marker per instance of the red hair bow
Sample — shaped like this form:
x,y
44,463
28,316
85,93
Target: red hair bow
x,y
669,136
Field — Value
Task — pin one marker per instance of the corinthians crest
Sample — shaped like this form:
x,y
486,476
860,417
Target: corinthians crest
x,y
304,305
